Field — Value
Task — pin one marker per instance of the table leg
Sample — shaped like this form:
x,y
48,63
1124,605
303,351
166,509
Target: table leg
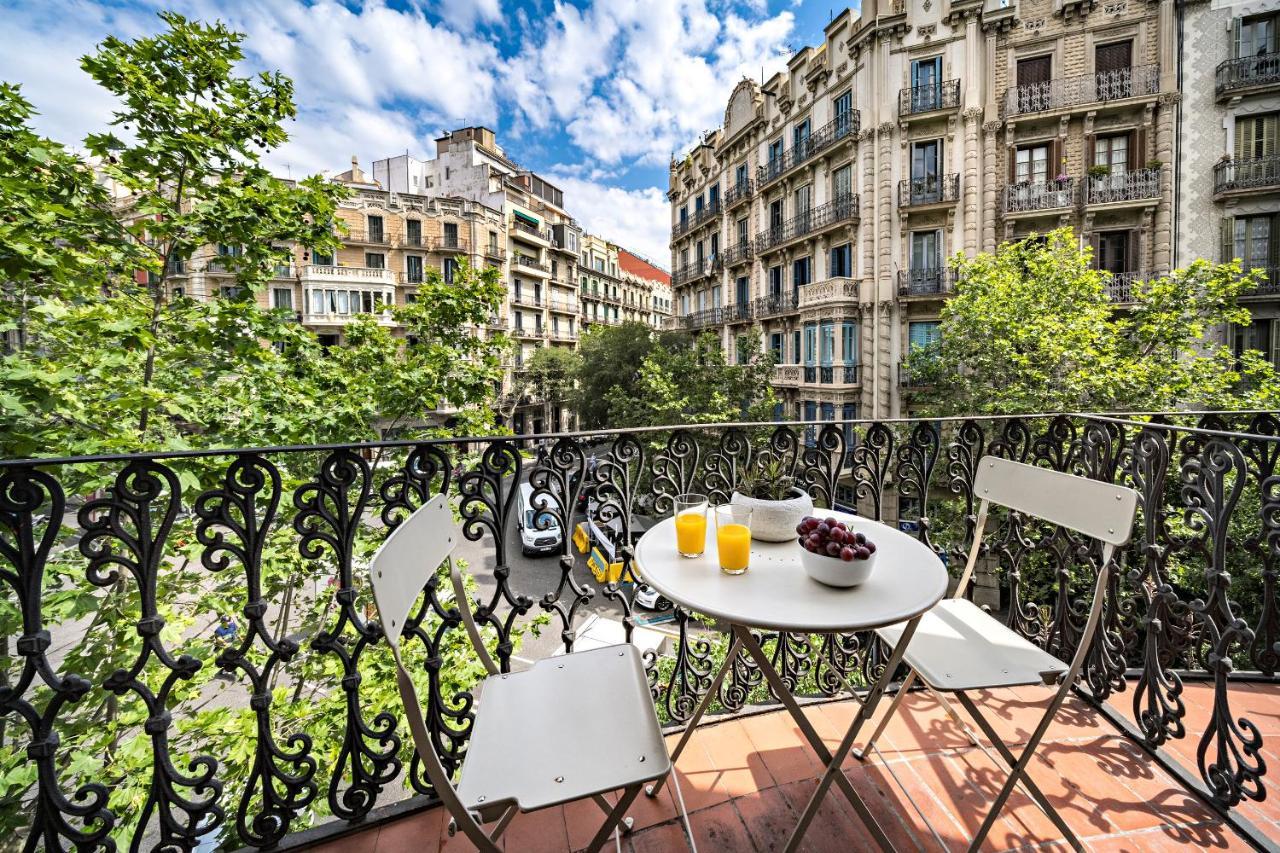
x,y
797,713
703,704
833,772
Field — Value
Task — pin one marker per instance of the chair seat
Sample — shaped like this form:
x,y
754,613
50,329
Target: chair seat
x,y
572,726
958,646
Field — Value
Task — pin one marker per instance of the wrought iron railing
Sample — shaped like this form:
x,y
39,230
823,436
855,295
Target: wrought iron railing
x,y
841,127
530,262
929,97
1252,174
927,281
695,270
738,312
840,209
1120,287
933,189
532,230
1086,89
774,304
115,549
738,254
1247,72
1269,287
1132,185
738,192
1030,196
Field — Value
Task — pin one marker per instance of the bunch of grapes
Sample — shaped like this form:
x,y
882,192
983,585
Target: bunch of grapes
x,y
832,538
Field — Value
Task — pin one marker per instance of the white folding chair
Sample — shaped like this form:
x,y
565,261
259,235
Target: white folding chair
x,y
573,727
958,647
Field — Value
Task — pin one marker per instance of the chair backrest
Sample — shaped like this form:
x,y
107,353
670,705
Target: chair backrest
x,y
1100,510
399,572
407,559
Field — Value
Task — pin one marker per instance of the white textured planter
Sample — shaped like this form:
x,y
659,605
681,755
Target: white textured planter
x,y
775,521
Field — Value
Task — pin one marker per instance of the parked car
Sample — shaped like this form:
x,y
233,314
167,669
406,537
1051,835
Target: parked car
x,y
539,528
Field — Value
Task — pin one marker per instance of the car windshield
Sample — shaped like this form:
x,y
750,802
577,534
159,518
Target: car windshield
x,y
545,521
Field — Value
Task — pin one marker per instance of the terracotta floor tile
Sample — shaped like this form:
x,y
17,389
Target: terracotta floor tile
x,y
1088,797
919,807
889,810
719,829
768,819
782,747
921,725
1021,822
359,842
648,811
417,832
540,831
836,828
666,838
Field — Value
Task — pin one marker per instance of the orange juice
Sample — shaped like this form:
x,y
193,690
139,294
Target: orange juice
x,y
691,532
733,541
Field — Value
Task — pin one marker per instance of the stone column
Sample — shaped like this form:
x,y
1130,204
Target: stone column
x,y
1162,254
885,324
971,211
989,200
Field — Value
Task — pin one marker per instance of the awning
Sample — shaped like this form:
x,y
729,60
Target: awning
x,y
524,217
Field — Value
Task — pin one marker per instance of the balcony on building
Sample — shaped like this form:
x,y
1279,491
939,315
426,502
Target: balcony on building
x,y
926,283
696,270
524,297
1112,87
787,375
918,101
739,192
840,129
738,312
1246,177
526,331
831,374
1155,749
739,253
829,293
530,263
1134,187
1270,286
336,295
366,236
929,192
908,378
447,243
1120,286
529,231
494,252
812,222
1039,197
1247,75
776,305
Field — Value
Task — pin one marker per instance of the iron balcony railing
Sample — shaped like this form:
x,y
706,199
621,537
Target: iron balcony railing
x,y
413,240
929,97
840,128
1120,286
908,378
522,298
1232,75
932,189
681,227
738,312
496,253
739,192
1133,185
695,270
448,244
1242,175
831,374
774,304
1029,196
307,731
707,214
929,281
700,319
841,209
523,227
1269,287
1143,80
530,262
738,254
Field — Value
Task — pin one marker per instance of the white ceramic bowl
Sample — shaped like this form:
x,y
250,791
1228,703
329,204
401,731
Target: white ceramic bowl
x,y
834,571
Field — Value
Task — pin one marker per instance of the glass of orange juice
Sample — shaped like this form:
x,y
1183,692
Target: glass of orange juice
x,y
733,538
691,525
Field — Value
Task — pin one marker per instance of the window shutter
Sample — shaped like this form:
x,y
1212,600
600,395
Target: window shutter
x,y
1095,243
1244,133
1013,164
1237,34
1227,242
1133,263
1270,124
1138,156
1273,247
1090,149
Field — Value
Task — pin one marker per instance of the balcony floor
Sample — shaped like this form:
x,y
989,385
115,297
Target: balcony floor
x,y
743,782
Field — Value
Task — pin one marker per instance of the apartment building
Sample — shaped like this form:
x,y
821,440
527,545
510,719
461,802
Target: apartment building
x,y
390,241
821,214
536,243
1228,164
651,286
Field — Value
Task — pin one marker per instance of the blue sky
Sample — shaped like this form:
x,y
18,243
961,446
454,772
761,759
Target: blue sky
x,y
596,95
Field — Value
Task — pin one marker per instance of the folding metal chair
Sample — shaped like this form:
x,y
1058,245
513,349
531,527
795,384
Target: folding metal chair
x,y
958,647
573,727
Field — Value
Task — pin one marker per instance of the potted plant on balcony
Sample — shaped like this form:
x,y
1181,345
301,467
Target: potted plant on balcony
x,y
776,502
1099,171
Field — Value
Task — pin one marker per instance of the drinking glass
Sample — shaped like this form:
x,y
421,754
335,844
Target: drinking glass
x,y
691,525
733,538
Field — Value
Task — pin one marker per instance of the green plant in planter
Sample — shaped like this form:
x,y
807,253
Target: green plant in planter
x,y
1154,164
1099,171
770,481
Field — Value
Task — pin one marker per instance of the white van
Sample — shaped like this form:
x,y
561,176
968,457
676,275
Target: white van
x,y
539,530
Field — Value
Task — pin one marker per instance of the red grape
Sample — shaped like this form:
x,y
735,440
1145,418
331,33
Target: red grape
x,y
861,552
869,546
846,553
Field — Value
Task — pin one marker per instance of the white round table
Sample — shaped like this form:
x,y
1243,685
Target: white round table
x,y
775,594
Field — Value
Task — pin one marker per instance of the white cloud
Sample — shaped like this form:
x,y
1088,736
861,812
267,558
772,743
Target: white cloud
x,y
636,80
638,220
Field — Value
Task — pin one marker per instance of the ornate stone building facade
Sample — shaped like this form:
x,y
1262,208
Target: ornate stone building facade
x,y
1228,162
821,215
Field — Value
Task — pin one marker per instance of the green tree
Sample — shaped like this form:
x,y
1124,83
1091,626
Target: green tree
x,y
611,358
1031,329
691,381
109,362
